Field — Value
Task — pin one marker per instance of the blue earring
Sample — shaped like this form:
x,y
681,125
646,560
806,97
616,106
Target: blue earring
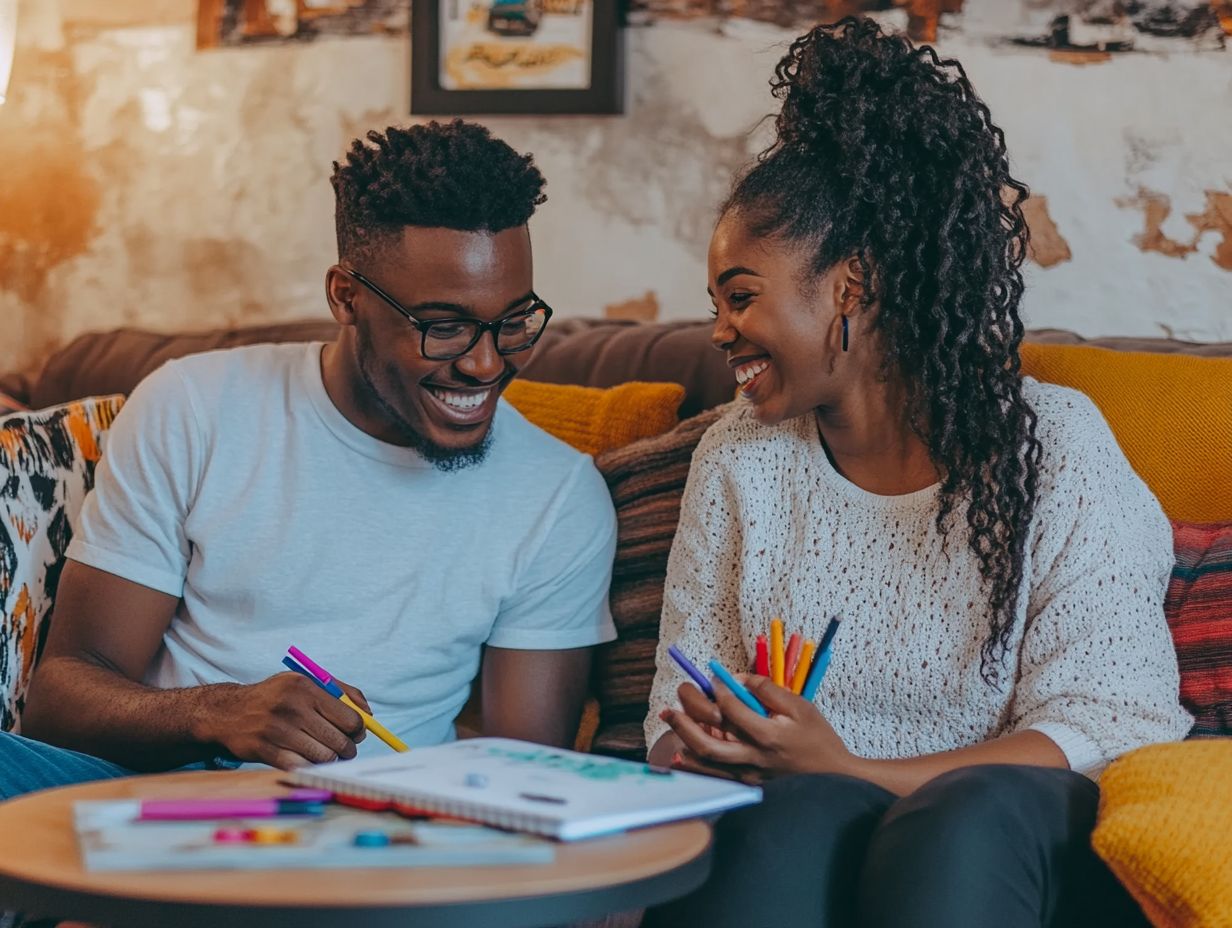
x,y
844,333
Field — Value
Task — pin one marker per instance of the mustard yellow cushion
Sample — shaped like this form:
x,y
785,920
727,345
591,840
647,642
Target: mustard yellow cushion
x,y
592,419
1165,830
1171,414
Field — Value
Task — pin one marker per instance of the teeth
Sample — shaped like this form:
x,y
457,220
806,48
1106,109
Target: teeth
x,y
747,372
461,400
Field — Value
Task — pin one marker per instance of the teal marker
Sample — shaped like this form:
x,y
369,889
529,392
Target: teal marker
x,y
736,687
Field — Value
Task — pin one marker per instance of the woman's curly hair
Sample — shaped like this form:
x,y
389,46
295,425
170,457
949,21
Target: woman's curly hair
x,y
884,152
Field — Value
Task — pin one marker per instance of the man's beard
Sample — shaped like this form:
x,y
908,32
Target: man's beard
x,y
443,459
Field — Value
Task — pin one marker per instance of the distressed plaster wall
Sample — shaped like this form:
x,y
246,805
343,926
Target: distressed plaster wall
x,y
147,183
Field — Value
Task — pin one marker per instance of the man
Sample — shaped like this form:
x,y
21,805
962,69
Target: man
x,y
372,501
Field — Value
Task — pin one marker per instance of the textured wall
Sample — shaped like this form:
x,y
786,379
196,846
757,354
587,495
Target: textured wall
x,y
147,183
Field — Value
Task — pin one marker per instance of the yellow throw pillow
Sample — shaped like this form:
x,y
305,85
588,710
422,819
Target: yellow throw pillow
x,y
1165,830
592,419
1171,414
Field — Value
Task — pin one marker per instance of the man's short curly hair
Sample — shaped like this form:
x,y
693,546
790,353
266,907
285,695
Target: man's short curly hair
x,y
451,176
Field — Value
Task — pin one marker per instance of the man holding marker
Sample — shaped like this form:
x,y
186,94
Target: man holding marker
x,y
372,500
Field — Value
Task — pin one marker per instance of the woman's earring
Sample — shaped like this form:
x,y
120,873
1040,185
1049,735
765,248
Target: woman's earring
x,y
844,333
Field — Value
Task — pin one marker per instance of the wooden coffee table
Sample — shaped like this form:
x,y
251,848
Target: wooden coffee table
x,y
41,874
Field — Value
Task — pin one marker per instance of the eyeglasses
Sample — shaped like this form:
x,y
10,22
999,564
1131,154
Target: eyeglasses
x,y
447,339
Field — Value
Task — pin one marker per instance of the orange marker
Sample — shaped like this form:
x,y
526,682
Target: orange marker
x,y
789,661
776,651
802,667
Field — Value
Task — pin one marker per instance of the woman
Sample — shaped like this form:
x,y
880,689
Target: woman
x,y
997,567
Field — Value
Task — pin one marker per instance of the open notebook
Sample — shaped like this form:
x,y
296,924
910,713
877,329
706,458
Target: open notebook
x,y
528,787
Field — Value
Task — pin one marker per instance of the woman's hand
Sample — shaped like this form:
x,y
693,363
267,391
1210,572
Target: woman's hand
x,y
726,738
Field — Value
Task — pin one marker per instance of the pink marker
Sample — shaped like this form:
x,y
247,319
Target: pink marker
x,y
310,665
182,810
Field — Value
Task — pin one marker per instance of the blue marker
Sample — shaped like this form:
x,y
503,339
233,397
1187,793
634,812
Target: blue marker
x,y
820,663
687,666
736,687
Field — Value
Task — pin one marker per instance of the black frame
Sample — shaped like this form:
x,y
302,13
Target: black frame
x,y
481,328
604,96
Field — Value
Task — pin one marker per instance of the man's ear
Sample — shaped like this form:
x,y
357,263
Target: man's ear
x,y
340,293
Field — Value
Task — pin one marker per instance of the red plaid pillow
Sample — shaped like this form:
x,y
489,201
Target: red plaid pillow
x,y
1199,611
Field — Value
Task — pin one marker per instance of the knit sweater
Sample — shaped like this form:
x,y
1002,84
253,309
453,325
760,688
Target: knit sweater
x,y
769,528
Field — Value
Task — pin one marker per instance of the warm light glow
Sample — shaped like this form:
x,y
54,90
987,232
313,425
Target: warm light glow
x,y
8,41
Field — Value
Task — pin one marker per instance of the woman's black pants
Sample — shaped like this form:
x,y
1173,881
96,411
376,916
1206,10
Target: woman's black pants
x,y
993,846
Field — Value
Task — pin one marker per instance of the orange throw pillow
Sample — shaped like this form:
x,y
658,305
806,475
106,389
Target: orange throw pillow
x,y
1171,414
593,419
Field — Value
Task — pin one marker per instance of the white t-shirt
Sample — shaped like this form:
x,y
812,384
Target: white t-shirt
x,y
231,480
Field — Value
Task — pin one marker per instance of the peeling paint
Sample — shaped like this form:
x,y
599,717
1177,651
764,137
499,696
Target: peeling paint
x,y
239,22
1066,56
1157,207
150,185
49,201
1217,217
1047,247
639,309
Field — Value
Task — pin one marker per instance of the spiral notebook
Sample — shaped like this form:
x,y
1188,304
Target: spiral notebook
x,y
520,786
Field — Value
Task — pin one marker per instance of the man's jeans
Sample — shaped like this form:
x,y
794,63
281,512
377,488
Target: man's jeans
x,y
26,766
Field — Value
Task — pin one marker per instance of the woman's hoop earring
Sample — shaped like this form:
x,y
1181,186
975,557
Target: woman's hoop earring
x,y
844,333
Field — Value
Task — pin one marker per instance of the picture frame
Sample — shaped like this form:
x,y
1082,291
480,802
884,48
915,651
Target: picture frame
x,y
506,57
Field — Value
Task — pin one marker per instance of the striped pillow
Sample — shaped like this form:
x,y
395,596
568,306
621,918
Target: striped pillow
x,y
1199,612
646,479
47,461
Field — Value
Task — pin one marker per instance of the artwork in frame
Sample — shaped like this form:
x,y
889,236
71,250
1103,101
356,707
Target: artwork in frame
x,y
495,57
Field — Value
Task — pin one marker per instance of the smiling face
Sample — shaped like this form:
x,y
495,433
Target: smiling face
x,y
780,331
444,409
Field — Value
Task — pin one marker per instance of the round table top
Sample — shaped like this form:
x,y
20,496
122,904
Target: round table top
x,y
41,873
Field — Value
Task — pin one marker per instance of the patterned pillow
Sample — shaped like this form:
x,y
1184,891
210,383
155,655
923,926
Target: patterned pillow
x,y
646,479
1199,611
47,461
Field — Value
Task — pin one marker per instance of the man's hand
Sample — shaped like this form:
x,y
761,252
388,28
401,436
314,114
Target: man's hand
x,y
726,738
286,721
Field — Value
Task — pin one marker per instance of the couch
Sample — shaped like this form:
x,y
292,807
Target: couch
x,y
1168,401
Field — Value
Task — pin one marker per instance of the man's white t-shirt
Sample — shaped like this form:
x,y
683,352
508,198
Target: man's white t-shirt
x,y
231,480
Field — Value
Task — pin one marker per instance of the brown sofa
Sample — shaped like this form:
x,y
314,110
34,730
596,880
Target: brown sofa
x,y
575,351
586,352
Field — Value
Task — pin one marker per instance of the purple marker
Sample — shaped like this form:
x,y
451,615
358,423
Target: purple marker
x,y
687,666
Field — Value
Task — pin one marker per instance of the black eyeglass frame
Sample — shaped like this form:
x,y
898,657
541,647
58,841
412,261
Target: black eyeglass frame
x,y
537,303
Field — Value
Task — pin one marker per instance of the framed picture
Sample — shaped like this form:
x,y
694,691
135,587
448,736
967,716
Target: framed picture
x,y
498,57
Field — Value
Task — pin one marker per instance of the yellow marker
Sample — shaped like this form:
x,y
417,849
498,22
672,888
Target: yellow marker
x,y
273,836
376,727
776,651
802,667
